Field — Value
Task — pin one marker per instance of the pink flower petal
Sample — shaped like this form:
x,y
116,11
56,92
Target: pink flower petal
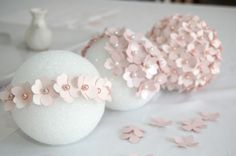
x,y
62,79
47,100
37,86
36,99
134,139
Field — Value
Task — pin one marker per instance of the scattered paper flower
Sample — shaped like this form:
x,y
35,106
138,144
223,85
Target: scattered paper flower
x,y
184,142
160,122
207,116
7,97
132,133
22,95
193,125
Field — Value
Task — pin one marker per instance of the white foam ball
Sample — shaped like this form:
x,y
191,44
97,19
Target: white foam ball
x,y
123,97
60,123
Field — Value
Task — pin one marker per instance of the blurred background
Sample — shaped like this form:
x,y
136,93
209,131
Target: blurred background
x,y
214,2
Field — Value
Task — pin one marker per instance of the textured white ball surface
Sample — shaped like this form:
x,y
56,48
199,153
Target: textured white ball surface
x,y
123,97
61,123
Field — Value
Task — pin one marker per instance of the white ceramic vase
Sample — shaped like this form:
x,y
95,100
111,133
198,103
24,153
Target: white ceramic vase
x,y
38,35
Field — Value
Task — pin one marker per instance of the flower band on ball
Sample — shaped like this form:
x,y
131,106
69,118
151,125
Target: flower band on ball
x,y
44,92
133,57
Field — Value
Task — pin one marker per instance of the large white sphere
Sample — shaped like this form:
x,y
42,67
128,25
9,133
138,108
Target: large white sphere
x,y
123,97
61,123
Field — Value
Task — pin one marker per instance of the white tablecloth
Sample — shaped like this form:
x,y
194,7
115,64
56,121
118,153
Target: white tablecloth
x,y
80,19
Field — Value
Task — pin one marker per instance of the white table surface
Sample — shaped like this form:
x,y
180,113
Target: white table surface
x,y
73,18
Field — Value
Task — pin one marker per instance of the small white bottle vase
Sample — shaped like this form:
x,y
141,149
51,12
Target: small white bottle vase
x,y
38,35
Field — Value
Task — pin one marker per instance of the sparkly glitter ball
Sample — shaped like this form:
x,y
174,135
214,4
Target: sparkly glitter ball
x,y
191,48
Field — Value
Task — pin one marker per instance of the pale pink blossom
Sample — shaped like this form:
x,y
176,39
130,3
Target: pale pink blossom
x,y
184,142
186,80
132,133
135,53
160,78
116,63
208,116
147,89
103,89
87,86
43,92
7,97
150,65
65,88
193,125
134,75
160,122
22,95
187,62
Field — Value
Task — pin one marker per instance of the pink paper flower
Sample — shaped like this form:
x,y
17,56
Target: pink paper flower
x,y
132,133
65,88
134,75
160,79
207,116
186,80
148,88
7,97
150,65
43,92
86,85
184,142
187,62
160,122
116,63
22,95
135,53
193,125
103,89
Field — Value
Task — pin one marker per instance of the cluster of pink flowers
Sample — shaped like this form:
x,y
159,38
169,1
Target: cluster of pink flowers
x,y
44,91
135,58
191,49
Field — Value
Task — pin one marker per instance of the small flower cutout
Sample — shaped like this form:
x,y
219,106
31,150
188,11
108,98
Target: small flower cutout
x,y
7,97
193,125
160,122
132,133
43,92
65,88
207,116
184,142
22,95
103,89
86,85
